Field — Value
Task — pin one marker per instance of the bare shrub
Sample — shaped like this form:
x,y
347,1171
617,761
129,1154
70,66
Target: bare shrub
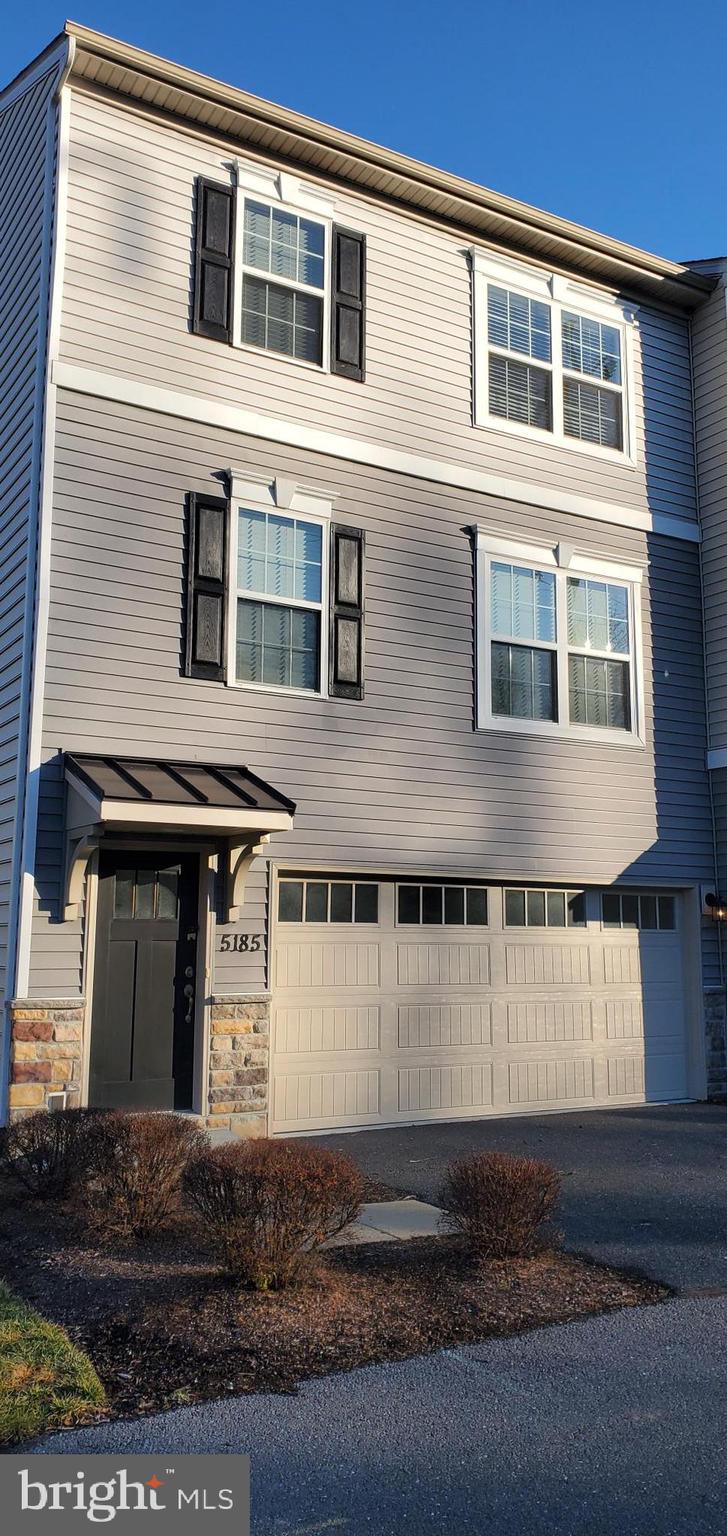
x,y
135,1168
269,1205
47,1152
499,1205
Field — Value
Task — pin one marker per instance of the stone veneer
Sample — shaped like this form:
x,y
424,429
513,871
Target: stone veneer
x,y
46,1043
715,1028
239,1065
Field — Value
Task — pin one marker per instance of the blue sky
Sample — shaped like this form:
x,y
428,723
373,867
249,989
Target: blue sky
x,y
610,115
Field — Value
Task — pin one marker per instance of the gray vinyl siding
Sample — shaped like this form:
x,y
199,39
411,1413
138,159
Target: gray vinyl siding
x,y
24,129
127,304
400,780
709,345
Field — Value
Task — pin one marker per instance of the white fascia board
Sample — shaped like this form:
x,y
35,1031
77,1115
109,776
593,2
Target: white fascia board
x,y
191,818
216,413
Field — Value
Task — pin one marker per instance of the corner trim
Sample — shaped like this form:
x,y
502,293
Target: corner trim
x,y
215,413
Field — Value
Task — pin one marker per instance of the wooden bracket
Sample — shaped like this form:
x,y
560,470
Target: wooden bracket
x,y
238,859
81,844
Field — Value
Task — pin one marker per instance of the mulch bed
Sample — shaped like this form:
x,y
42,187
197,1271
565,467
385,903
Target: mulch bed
x,y
163,1327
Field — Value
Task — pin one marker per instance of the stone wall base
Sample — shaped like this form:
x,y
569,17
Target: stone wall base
x,y
46,1044
238,1067
715,1028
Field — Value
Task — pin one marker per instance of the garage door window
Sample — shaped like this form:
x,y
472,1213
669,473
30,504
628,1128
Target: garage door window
x,y
544,909
328,901
627,909
450,906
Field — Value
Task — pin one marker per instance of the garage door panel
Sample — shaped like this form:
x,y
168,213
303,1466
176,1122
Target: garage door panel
x,y
323,1098
314,966
347,1027
621,965
562,1080
444,1024
445,1088
626,1077
538,1023
441,964
555,965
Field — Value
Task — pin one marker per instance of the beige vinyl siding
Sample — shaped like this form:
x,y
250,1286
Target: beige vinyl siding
x,y
127,305
400,779
25,126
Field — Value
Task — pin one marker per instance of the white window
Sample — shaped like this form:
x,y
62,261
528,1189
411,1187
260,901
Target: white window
x,y
282,277
278,583
552,359
559,642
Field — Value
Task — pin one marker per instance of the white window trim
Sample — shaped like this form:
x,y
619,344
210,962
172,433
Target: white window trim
x,y
295,501
286,192
560,294
563,560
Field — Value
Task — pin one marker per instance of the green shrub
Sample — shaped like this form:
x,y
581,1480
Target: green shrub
x,y
135,1168
47,1152
269,1205
499,1205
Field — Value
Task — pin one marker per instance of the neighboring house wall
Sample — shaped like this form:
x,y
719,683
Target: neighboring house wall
x,y
400,779
127,305
28,131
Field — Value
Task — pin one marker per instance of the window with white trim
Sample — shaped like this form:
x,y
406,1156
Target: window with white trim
x,y
284,264
642,910
552,358
541,908
278,588
558,642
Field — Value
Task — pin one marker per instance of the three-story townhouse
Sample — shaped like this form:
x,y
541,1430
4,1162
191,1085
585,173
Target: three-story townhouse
x,y
355,740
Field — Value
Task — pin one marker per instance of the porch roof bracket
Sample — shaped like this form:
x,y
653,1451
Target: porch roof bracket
x,y
238,859
81,844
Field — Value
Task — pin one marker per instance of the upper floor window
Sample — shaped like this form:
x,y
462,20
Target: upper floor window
x,y
558,642
283,311
279,600
552,359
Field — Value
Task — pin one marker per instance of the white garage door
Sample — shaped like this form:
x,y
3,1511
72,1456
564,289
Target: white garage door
x,y
422,1001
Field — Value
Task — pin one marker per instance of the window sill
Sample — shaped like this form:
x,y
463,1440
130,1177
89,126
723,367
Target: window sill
x,y
588,735
556,440
294,693
321,369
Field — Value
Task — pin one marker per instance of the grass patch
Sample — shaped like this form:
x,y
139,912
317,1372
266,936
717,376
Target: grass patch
x,y
44,1380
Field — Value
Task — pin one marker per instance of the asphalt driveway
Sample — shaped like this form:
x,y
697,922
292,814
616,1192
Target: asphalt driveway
x,y
614,1426
644,1188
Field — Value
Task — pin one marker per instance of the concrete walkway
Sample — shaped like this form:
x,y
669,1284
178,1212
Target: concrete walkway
x,y
384,1220
614,1426
643,1188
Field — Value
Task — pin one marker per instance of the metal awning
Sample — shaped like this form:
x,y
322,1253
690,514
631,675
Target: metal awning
x,y
127,794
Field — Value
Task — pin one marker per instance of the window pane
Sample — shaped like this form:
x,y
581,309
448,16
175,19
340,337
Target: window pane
x,y
514,909
599,692
316,901
647,912
124,893
251,551
367,903
290,901
536,909
308,313
282,320
308,561
431,903
145,886
523,682
523,602
598,615
518,324
256,235
592,414
667,912
167,893
341,903
589,347
409,903
453,905
520,393
629,911
476,908
276,645
556,909
618,619
611,909
576,909
305,653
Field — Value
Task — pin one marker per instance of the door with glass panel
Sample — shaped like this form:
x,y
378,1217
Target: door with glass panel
x,y
142,1028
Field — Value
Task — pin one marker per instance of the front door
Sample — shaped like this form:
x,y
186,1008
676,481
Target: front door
x,y
142,1032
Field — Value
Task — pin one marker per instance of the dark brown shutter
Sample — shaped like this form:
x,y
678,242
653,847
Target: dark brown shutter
x,y
348,304
208,521
347,613
215,233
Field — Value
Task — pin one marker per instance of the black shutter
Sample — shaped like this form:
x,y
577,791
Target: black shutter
x,y
215,233
347,613
348,304
204,652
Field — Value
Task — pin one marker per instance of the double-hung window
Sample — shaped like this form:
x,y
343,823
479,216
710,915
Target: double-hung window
x,y
284,261
279,592
552,358
558,642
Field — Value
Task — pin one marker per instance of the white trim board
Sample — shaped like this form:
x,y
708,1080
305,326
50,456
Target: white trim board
x,y
215,413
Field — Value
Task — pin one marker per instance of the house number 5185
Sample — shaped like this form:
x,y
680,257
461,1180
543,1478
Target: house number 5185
x,y
242,943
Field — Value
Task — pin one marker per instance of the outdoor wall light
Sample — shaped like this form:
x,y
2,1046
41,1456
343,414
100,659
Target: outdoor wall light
x,y
716,907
